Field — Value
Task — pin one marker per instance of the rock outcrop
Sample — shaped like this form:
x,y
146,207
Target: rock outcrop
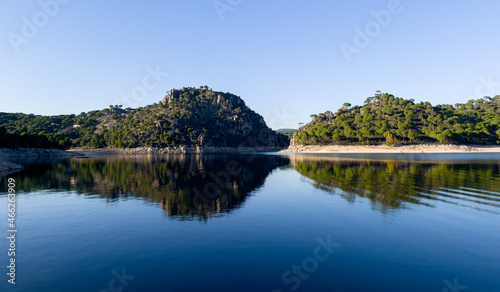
x,y
35,152
216,119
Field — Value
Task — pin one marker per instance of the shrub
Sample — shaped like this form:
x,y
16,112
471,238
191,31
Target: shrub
x,y
390,140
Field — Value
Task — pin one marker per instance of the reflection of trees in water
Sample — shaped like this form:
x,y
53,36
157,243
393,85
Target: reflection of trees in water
x,y
186,186
390,183
190,187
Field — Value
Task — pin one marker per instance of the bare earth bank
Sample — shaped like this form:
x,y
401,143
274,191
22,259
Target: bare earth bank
x,y
395,149
7,167
170,150
35,152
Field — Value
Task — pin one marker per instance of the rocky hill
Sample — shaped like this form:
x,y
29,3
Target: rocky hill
x,y
387,119
185,117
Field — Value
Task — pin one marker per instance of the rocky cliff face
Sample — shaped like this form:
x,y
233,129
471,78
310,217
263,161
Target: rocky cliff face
x,y
217,119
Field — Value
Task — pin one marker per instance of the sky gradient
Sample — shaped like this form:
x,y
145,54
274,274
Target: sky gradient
x,y
284,58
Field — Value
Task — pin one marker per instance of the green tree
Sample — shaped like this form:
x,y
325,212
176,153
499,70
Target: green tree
x,y
390,140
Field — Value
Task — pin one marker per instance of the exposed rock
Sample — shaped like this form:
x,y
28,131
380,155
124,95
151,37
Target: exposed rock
x,y
174,150
7,167
214,119
35,152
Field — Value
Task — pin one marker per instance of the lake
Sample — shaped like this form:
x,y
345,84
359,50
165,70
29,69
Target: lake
x,y
257,222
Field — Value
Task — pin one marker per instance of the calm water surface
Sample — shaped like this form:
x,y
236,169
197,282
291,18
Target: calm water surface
x,y
257,223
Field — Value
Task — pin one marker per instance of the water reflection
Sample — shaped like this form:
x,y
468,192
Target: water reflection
x,y
198,187
187,187
394,183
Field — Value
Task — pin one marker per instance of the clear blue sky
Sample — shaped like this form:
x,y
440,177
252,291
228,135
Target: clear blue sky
x,y
284,58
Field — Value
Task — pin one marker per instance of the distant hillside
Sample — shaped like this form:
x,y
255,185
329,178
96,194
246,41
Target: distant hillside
x,y
185,117
393,120
287,132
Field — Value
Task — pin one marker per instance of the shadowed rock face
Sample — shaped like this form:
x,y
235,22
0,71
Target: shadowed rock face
x,y
224,100
187,187
217,119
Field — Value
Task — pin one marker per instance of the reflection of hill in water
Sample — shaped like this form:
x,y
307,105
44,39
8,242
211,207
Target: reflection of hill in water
x,y
390,183
191,187
186,186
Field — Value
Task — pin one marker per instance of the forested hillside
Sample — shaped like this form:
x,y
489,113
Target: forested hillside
x,y
9,140
187,117
287,132
385,118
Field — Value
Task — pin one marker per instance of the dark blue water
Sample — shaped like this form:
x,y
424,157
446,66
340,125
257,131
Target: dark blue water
x,y
256,223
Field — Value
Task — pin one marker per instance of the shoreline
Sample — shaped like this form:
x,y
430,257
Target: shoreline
x,y
296,149
9,167
423,148
39,152
170,150
35,152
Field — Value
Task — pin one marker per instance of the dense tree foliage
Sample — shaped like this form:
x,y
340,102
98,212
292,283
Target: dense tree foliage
x,y
24,140
392,120
287,132
189,117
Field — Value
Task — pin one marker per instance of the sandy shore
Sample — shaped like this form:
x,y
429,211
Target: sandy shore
x,y
396,149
